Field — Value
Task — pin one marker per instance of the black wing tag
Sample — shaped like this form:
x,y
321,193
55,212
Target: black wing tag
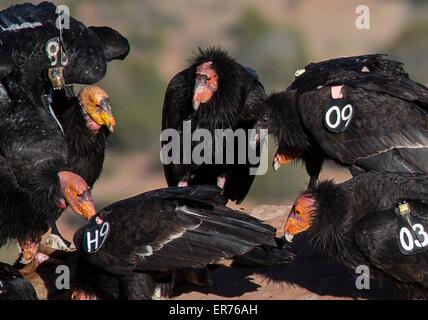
x,y
337,115
95,235
411,235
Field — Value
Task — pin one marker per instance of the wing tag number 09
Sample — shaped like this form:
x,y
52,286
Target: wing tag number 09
x,y
337,115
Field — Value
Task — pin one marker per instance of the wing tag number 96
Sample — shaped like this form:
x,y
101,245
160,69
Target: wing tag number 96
x,y
337,115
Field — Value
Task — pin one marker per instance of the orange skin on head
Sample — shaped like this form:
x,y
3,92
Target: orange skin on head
x,y
96,103
77,194
283,159
301,215
206,83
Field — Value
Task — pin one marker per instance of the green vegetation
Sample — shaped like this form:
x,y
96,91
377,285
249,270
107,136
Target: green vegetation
x,y
136,90
275,52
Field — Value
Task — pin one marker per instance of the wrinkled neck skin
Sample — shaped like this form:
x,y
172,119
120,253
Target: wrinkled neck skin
x,y
223,109
86,150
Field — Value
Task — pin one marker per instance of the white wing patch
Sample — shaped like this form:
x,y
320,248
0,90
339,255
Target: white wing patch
x,y
185,209
56,119
415,146
148,252
25,25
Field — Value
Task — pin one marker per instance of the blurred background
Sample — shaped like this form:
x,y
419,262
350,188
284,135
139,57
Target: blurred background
x,y
275,37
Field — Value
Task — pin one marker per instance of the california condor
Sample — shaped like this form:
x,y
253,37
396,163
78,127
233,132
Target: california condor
x,y
214,92
43,53
363,222
13,286
31,137
362,112
154,235
36,184
87,120
26,214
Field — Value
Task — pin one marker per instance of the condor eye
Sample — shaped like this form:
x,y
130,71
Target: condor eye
x,y
82,193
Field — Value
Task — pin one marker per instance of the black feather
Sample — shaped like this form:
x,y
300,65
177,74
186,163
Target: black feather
x,y
387,132
236,104
166,230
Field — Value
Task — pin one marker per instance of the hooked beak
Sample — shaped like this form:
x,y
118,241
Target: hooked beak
x,y
288,237
199,91
77,194
276,165
107,115
85,207
254,139
279,160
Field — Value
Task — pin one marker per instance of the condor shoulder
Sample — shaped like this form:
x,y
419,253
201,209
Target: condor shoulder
x,y
373,124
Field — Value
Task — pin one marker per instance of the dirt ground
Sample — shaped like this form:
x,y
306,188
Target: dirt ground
x,y
309,277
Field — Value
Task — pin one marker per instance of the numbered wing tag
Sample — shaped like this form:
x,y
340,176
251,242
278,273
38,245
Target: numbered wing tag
x,y
412,236
55,53
95,235
337,115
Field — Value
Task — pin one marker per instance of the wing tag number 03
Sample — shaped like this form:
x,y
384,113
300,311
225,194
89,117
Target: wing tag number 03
x,y
95,235
337,115
411,241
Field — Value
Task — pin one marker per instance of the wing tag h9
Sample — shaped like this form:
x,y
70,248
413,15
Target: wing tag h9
x,y
411,234
95,235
